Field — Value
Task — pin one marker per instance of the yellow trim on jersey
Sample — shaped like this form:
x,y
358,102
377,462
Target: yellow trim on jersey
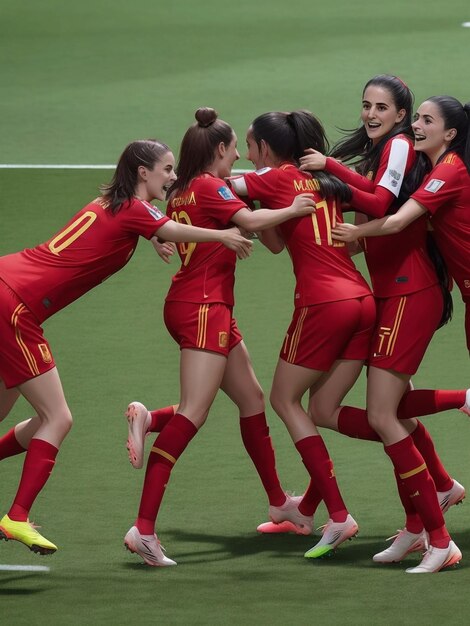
x,y
202,326
29,357
414,471
396,326
294,344
164,454
450,159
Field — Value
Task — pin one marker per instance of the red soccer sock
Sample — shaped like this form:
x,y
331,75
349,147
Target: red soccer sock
x,y
413,523
161,417
412,471
37,467
320,467
429,401
311,500
168,447
424,443
353,422
258,444
9,445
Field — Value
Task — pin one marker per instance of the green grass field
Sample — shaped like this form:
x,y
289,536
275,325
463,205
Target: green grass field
x,y
80,81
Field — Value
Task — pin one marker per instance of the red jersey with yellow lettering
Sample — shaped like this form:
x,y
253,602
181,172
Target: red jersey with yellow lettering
x,y
207,272
445,193
323,268
398,264
91,247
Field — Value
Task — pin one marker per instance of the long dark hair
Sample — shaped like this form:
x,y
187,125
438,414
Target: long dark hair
x,y
122,187
197,151
289,135
455,115
357,146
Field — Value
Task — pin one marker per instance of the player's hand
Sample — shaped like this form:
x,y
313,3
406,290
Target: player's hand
x,y
313,160
345,232
234,240
304,204
165,250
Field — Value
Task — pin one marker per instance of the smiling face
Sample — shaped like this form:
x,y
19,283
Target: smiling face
x,y
228,155
155,182
431,136
379,112
253,151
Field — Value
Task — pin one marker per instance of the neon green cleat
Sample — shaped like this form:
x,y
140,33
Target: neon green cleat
x,y
26,533
334,533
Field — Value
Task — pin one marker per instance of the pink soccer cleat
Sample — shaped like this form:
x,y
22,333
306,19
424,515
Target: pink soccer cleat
x,y
287,518
148,547
138,420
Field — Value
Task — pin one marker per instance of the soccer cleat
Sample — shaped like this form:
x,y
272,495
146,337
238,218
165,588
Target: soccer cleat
x,y
287,518
455,495
436,559
466,407
148,547
404,543
138,420
334,534
26,533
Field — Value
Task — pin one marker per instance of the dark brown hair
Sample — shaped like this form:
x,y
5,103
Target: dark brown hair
x,y
197,151
122,187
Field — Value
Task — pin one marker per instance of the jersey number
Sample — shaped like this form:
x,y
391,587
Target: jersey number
x,y
329,224
67,236
185,249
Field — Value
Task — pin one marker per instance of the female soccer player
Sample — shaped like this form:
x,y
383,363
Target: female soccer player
x,y
36,283
405,284
328,339
441,129
198,315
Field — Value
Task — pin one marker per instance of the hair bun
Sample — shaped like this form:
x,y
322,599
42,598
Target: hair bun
x,y
205,116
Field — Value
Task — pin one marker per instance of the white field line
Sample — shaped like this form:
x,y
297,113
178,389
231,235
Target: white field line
x,y
24,568
64,166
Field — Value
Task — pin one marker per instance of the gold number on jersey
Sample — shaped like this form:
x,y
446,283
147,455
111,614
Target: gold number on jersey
x,y
329,224
186,249
67,236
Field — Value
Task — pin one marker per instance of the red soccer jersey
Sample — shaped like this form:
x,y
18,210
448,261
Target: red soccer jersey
x,y
445,193
207,272
92,246
322,267
398,264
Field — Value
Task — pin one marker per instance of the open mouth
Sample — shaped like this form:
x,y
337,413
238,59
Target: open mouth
x,y
419,137
373,125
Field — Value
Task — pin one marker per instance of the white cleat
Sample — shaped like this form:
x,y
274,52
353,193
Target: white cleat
x,y
404,543
287,518
436,559
455,495
334,534
148,547
138,420
466,407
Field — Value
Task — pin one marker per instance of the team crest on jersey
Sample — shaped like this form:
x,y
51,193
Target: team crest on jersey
x,y
45,352
262,171
225,193
154,212
223,339
434,185
395,176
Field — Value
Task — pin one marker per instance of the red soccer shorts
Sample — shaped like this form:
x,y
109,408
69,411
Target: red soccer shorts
x,y
208,327
321,334
24,352
405,326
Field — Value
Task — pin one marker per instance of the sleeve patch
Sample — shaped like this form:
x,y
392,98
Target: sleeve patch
x,y
434,185
225,193
154,212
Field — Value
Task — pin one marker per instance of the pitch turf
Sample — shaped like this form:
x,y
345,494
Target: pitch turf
x,y
79,82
